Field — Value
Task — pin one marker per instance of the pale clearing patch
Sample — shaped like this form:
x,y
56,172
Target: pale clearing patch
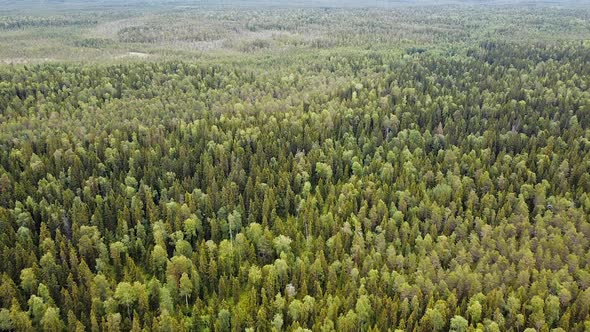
x,y
138,54
198,46
24,61
109,30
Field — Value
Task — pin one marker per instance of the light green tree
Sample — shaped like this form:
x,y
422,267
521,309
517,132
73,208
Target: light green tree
x,y
459,324
474,311
51,321
28,280
126,295
282,244
186,287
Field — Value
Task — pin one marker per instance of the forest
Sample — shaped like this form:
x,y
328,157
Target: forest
x,y
410,167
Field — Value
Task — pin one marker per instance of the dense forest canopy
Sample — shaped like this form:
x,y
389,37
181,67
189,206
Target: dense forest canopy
x,y
166,167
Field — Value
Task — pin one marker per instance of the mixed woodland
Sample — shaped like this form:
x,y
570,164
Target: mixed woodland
x,y
290,169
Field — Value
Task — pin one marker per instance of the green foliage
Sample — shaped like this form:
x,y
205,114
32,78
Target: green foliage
x,y
51,321
416,169
126,295
6,323
185,287
282,244
459,324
